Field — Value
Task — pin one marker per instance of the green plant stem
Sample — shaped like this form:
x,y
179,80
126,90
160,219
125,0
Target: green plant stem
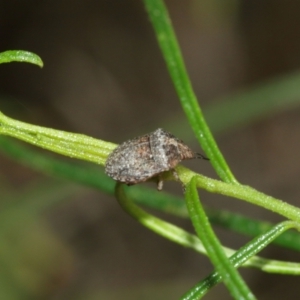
x,y
95,178
242,192
70,144
251,227
155,224
185,239
239,258
90,149
254,103
169,46
232,279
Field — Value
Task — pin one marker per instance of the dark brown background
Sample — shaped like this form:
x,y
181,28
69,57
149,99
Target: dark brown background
x,y
104,76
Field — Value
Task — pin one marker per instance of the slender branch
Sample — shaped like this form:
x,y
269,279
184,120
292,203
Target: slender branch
x,y
70,144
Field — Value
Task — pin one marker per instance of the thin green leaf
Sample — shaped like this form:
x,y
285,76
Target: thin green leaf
x,y
95,177
251,227
253,103
239,258
165,229
232,279
70,144
241,192
169,46
183,238
20,56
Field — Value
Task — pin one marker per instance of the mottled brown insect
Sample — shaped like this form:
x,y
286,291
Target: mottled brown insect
x,y
147,156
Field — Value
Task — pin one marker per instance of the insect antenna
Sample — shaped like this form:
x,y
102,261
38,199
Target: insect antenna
x,y
199,155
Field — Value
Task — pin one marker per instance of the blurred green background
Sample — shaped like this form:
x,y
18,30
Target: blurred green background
x,y
104,76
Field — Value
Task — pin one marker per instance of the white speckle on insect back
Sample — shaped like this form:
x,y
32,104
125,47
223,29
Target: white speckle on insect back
x,y
147,156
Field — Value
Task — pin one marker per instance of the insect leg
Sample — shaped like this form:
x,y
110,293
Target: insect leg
x,y
160,183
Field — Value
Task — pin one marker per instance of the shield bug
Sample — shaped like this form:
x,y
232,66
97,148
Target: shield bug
x,y
147,156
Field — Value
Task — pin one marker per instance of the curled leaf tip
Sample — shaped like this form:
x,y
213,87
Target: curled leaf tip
x,y
21,56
